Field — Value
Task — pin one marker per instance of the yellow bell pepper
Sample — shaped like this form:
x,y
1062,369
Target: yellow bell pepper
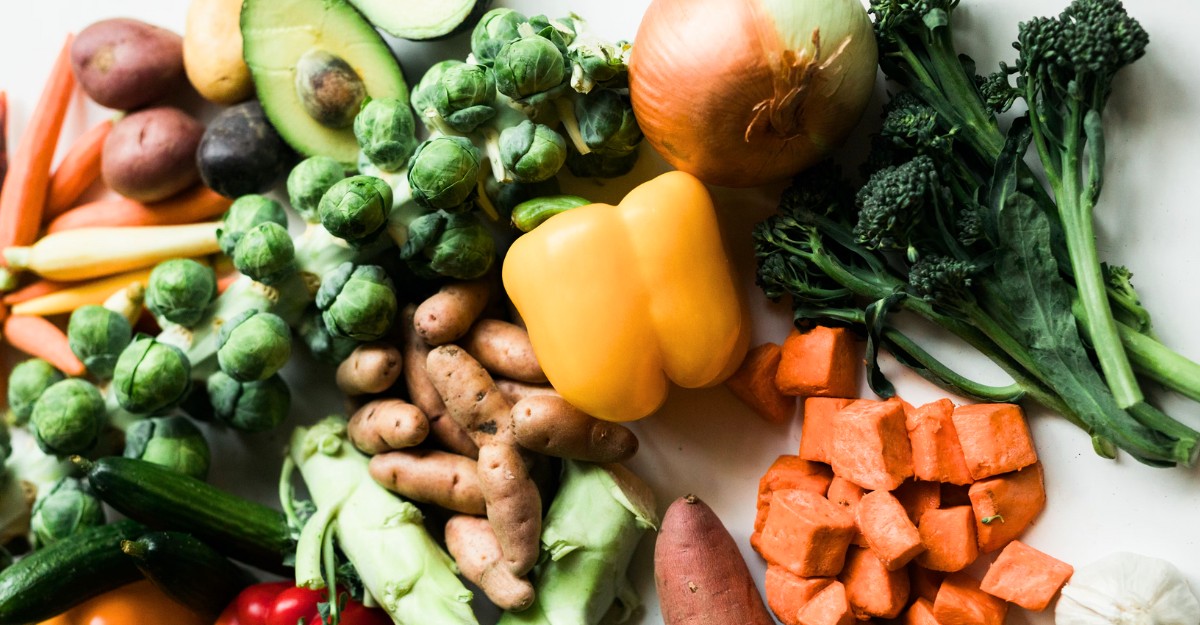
x,y
620,301
139,603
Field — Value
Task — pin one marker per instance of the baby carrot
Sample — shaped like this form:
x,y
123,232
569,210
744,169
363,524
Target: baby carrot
x,y
77,170
42,339
198,204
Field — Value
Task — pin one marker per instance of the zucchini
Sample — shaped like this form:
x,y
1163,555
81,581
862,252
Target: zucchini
x,y
188,571
68,572
163,499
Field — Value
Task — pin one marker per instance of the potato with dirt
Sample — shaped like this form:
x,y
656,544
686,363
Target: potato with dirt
x,y
150,155
421,392
472,543
431,476
548,424
504,349
126,64
448,314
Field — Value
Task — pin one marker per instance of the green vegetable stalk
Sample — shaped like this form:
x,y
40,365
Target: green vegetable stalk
x,y
593,527
401,567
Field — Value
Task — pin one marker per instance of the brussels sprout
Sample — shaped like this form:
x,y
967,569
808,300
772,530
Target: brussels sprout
x,y
97,336
245,213
532,152
180,290
323,345
531,69
266,253
68,507
357,302
173,442
464,96
561,32
357,208
307,184
607,123
496,28
151,376
595,165
249,406
452,245
253,345
26,383
386,133
68,417
329,89
595,60
444,173
422,96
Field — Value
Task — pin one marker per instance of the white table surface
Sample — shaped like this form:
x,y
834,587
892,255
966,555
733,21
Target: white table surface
x,y
705,442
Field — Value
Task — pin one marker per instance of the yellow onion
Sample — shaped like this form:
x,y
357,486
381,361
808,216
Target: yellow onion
x,y
743,92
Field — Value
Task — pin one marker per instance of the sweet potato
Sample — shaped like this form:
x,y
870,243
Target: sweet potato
x,y
961,602
754,384
831,606
806,534
917,496
819,362
699,572
370,368
515,391
448,314
547,424
786,473
472,543
889,533
1005,505
786,593
937,453
504,350
870,445
949,539
430,476
1025,576
816,433
871,588
994,437
846,494
386,424
919,613
924,583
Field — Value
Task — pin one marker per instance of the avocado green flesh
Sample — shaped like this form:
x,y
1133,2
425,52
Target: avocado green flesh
x,y
417,19
276,33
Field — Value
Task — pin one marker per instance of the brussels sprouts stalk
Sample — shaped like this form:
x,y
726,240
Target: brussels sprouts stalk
x,y
26,472
566,114
593,59
401,566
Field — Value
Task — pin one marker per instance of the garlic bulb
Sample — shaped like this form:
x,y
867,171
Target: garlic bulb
x,y
1127,589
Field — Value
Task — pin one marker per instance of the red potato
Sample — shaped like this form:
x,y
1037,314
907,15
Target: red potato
x,y
151,155
447,315
371,368
699,572
126,64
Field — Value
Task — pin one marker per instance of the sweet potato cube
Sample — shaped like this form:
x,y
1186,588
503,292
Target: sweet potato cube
x,y
754,384
846,494
936,452
917,496
787,473
887,529
872,589
806,534
1025,576
924,582
819,362
1005,505
870,445
994,437
949,538
961,602
816,432
919,613
787,593
829,607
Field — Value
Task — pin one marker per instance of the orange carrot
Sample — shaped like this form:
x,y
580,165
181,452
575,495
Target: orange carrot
x,y
34,290
42,339
77,170
223,281
3,137
196,205
24,195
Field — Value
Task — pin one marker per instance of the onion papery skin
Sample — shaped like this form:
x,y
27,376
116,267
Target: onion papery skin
x,y
729,90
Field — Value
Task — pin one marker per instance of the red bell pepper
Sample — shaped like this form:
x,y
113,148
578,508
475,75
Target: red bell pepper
x,y
282,603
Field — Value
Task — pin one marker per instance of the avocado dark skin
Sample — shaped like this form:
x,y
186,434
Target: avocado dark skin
x,y
241,153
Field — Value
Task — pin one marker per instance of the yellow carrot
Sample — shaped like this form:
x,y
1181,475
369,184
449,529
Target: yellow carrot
x,y
94,252
90,292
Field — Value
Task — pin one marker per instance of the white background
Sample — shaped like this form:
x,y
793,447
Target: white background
x,y
705,442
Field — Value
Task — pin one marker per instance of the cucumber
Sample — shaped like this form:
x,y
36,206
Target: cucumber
x,y
68,572
236,527
188,571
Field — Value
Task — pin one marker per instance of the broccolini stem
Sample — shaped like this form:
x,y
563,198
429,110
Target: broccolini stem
x,y
945,376
1160,363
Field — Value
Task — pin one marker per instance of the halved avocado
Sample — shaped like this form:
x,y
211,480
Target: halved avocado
x,y
278,35
422,19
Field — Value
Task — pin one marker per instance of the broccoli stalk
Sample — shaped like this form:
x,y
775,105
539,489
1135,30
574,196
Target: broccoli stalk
x,y
402,569
590,534
1067,65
